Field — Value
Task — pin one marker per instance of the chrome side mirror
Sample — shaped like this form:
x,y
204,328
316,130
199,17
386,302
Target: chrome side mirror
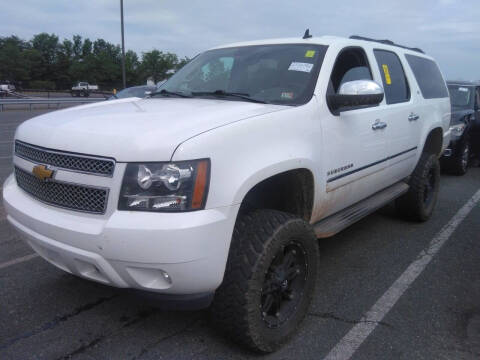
x,y
354,94
360,87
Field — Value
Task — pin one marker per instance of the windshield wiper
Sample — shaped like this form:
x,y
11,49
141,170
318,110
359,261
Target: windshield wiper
x,y
223,93
169,93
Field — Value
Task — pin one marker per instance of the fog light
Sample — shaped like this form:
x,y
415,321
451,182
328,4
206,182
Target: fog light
x,y
166,276
150,278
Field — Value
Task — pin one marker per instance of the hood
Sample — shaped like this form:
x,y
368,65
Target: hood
x,y
135,129
458,115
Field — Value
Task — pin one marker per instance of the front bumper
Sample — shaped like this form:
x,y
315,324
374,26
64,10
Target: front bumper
x,y
178,253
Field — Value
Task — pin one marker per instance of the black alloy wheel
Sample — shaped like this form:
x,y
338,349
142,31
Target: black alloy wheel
x,y
284,284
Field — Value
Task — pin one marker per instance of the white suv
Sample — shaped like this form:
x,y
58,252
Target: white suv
x,y
216,187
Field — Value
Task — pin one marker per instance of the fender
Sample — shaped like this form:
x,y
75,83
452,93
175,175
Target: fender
x,y
245,153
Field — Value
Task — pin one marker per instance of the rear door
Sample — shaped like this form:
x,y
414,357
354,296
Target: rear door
x,y
433,105
404,121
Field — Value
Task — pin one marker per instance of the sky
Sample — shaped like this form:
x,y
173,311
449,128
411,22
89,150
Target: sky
x,y
448,30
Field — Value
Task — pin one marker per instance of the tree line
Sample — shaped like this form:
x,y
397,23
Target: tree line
x,y
45,62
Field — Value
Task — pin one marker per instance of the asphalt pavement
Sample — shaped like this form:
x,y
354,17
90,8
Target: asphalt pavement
x,y
373,300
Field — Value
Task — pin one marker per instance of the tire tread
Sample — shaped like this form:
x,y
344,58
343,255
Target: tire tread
x,y
230,309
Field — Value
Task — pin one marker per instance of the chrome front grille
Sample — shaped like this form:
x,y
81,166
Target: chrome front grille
x,y
80,163
69,196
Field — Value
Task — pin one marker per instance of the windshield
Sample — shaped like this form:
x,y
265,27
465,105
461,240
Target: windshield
x,y
278,74
461,96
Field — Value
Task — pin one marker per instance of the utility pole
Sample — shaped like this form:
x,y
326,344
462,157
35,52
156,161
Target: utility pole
x,y
123,47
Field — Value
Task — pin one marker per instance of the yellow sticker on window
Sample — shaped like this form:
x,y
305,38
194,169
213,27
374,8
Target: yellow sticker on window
x,y
388,79
310,53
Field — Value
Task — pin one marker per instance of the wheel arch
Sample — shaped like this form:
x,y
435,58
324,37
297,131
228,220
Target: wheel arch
x,y
290,190
434,142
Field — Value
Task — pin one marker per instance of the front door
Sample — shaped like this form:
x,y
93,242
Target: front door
x,y
353,143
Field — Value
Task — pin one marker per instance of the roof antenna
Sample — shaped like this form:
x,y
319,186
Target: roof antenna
x,y
307,34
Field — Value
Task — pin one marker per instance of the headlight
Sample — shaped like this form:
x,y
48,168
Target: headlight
x,y
167,187
457,129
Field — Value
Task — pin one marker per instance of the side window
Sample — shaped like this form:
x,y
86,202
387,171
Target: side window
x,y
429,77
478,98
351,64
393,77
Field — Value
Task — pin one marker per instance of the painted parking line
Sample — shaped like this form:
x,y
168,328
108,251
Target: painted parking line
x,y
350,343
18,261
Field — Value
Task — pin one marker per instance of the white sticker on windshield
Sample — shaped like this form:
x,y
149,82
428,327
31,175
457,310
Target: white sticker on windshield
x,y
299,66
463,89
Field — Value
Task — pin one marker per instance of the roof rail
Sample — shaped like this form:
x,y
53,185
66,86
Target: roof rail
x,y
386,42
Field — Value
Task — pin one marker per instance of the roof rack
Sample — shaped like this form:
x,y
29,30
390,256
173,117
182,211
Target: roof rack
x,y
386,42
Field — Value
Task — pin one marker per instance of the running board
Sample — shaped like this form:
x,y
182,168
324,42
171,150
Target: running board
x,y
339,221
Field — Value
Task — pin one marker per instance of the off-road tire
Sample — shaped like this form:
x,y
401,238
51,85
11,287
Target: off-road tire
x,y
236,309
457,165
418,203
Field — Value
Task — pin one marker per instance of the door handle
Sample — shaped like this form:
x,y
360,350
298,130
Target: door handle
x,y
378,125
413,117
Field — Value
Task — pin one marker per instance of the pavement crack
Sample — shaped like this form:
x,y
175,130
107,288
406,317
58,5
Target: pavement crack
x,y
56,321
329,315
165,338
83,348
83,308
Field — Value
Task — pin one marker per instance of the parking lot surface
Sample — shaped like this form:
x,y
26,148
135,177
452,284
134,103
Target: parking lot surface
x,y
379,295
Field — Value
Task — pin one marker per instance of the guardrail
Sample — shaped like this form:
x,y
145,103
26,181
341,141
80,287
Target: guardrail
x,y
50,101
66,91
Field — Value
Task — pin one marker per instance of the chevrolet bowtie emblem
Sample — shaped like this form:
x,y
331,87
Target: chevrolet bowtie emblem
x,y
42,173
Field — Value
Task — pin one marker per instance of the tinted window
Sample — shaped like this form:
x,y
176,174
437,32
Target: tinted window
x,y
350,65
393,77
428,76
